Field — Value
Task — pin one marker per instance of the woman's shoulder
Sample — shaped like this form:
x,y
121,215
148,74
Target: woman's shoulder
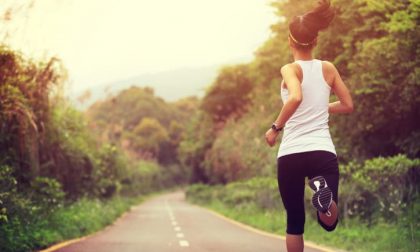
x,y
292,67
327,64
329,71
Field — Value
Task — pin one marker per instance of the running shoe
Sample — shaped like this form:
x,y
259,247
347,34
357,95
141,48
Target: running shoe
x,y
322,198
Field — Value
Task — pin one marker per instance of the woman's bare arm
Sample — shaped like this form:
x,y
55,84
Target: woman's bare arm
x,y
290,77
344,104
289,73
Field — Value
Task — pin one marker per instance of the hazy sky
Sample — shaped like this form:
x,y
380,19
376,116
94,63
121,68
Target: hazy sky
x,y
104,40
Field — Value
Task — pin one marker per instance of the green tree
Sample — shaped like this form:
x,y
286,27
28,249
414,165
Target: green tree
x,y
229,94
149,135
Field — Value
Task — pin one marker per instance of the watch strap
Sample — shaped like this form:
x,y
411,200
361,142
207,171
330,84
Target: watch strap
x,y
275,128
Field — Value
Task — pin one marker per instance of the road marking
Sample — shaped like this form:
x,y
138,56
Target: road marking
x,y
180,235
184,243
170,212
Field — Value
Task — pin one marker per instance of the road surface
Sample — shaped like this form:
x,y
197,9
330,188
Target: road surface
x,y
168,223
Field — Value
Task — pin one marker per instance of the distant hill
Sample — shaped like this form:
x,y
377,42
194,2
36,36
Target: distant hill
x,y
169,85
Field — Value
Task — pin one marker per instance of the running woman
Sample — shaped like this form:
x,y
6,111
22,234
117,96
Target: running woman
x,y
306,149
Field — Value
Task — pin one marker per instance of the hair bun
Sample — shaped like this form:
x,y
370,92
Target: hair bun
x,y
304,29
320,17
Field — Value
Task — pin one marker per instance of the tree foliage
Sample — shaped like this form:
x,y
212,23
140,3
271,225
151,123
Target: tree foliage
x,y
228,97
374,44
144,125
149,135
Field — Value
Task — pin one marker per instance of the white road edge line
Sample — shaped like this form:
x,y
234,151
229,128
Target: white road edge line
x,y
177,228
263,233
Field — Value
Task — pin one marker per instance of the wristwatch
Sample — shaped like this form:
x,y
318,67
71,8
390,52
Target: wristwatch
x,y
274,127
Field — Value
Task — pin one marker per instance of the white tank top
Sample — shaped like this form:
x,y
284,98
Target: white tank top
x,y
307,129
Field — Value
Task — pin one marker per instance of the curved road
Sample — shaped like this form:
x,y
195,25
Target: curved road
x,y
168,223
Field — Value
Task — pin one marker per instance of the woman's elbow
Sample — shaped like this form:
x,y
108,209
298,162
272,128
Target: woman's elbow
x,y
296,99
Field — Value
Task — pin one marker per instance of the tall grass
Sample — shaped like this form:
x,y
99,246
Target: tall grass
x,y
246,203
74,220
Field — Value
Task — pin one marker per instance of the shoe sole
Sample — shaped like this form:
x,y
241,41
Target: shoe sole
x,y
322,198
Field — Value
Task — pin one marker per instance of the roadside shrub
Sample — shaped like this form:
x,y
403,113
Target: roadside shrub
x,y
200,193
144,177
174,175
47,194
382,187
111,167
259,191
7,189
379,189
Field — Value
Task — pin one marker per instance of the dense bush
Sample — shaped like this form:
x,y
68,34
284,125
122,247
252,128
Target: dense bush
x,y
374,46
380,186
367,205
7,189
49,157
259,191
142,124
384,188
69,221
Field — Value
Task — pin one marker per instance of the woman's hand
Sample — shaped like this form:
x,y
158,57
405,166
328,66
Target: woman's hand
x,y
270,137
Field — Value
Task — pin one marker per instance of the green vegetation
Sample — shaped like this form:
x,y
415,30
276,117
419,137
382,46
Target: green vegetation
x,y
57,164
56,173
374,44
257,203
143,125
77,219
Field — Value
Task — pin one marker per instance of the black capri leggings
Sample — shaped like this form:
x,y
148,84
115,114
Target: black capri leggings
x,y
291,172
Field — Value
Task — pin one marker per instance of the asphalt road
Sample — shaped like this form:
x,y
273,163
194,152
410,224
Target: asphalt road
x,y
168,223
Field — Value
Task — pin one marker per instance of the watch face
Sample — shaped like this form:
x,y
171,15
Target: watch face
x,y
274,127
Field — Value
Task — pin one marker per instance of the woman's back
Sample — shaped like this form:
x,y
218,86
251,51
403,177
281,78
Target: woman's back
x,y
307,129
